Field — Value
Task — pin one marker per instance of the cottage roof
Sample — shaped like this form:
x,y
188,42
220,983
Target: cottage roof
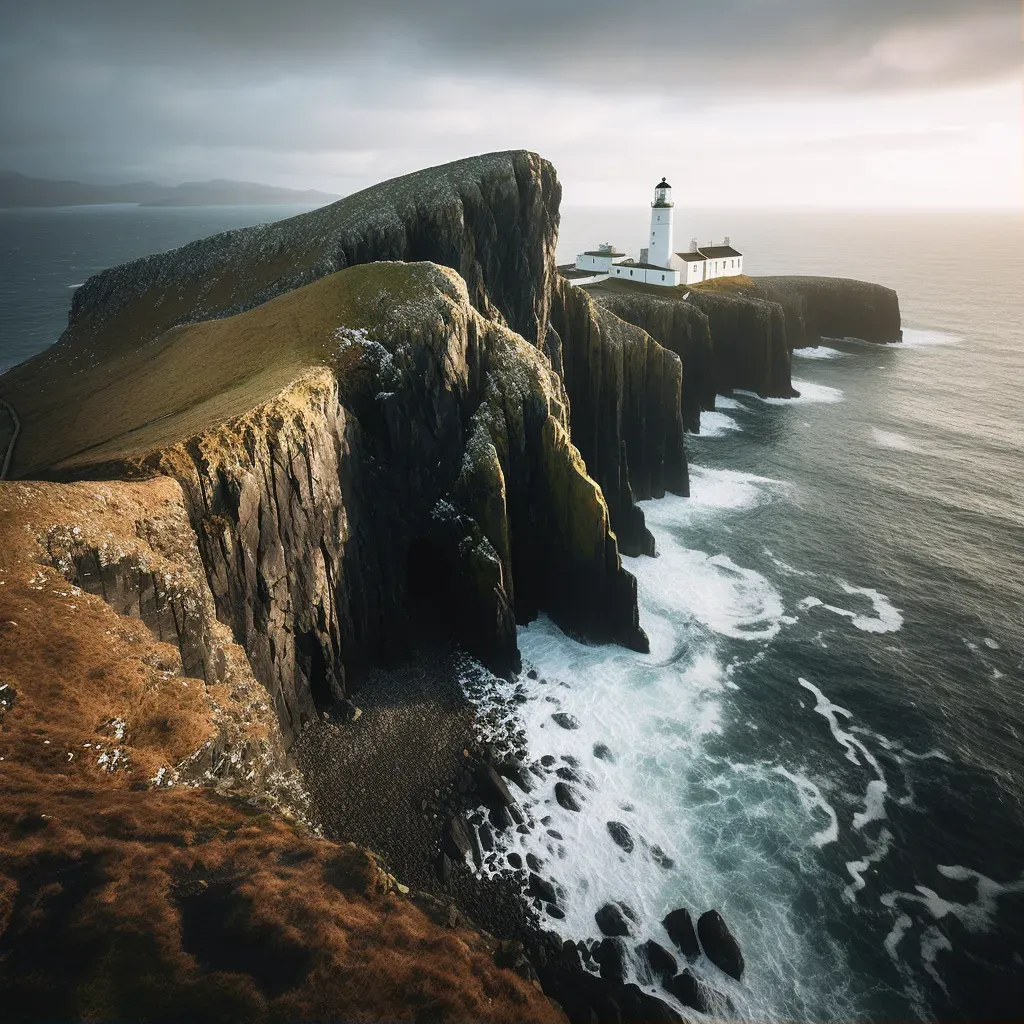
x,y
571,273
716,252
606,252
691,257
631,265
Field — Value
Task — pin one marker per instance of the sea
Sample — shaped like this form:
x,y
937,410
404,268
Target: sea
x,y
826,736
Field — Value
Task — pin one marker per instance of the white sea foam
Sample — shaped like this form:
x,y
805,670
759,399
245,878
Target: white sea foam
x,y
785,567
821,352
886,619
857,868
914,337
893,440
811,393
727,402
811,798
855,749
990,643
726,598
715,424
711,491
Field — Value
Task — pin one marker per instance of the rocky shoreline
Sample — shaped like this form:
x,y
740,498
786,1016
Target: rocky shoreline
x,y
440,774
292,473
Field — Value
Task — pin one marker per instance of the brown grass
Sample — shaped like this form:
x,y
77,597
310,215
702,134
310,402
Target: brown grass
x,y
122,900
738,283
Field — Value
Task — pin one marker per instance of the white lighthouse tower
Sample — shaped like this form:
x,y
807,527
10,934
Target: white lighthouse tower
x,y
660,249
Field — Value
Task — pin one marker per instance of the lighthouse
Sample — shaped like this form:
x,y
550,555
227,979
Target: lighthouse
x,y
657,264
660,248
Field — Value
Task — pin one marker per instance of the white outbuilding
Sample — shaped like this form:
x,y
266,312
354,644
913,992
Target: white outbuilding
x,y
658,264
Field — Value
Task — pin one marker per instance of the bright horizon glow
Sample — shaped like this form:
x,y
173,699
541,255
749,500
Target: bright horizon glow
x,y
897,104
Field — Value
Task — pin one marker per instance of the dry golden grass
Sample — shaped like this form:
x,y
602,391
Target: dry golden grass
x,y
122,900
129,402
738,283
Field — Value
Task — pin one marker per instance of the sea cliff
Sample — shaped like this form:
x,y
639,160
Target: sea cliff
x,y
271,489
738,333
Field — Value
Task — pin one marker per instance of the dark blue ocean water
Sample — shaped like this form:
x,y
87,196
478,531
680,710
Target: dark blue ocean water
x,y
827,734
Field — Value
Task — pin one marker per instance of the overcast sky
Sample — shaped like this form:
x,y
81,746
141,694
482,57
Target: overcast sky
x,y
738,102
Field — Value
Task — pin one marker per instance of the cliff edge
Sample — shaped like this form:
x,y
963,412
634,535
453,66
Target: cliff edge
x,y
739,332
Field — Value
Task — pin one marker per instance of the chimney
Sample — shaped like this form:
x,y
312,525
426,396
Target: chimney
x,y
693,245
726,242
644,253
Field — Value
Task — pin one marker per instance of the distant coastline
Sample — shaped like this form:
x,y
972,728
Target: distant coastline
x,y
19,191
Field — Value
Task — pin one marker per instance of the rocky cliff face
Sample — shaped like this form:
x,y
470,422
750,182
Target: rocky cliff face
x,y
681,328
738,333
626,395
751,348
422,460
818,308
492,218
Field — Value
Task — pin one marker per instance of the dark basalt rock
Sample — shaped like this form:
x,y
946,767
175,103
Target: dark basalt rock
x,y
611,920
661,858
456,838
679,925
517,773
565,720
720,946
491,786
587,998
444,867
620,835
542,888
689,991
346,710
610,954
603,753
661,964
486,837
626,396
822,308
566,796
532,862
515,860
679,327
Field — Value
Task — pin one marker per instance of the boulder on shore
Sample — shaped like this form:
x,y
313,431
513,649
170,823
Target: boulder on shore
x,y
720,946
679,925
620,835
611,920
688,991
566,796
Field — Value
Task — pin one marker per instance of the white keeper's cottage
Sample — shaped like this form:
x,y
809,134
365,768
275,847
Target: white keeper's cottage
x,y
658,264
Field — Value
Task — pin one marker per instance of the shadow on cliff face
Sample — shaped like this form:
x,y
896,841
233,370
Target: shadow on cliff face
x,y
429,585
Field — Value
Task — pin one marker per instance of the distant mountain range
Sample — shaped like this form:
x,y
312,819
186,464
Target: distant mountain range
x,y
21,190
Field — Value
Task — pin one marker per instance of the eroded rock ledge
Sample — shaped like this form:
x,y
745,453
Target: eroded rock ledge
x,y
738,333
349,449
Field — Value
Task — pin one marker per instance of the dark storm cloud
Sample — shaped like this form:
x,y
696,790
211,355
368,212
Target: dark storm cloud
x,y
595,40
124,83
